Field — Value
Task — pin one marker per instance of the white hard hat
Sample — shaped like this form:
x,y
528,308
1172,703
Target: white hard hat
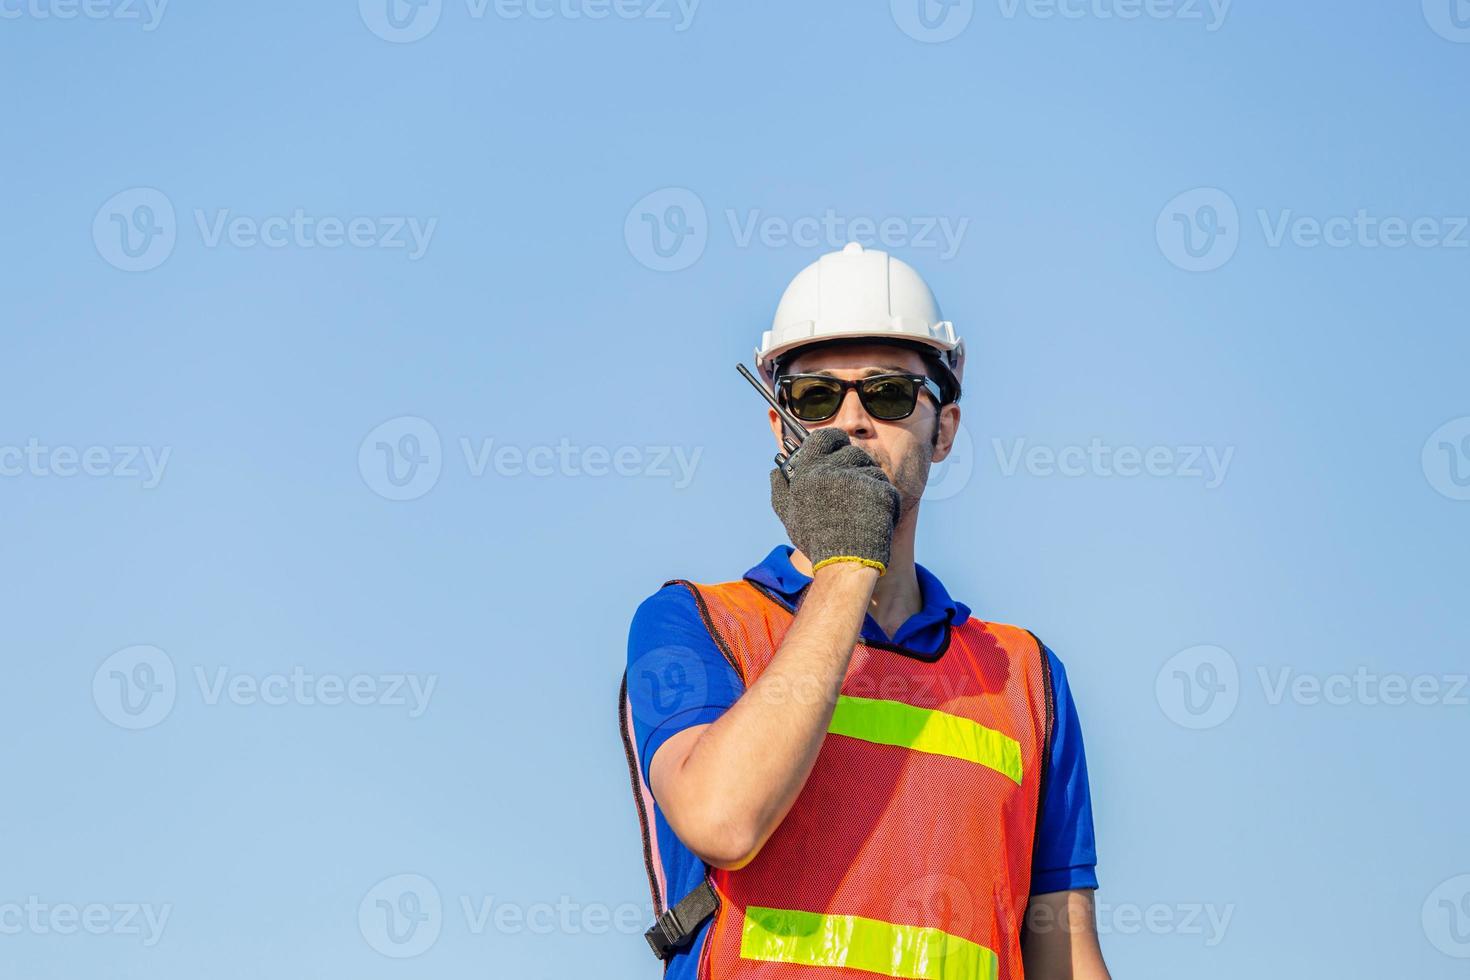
x,y
858,293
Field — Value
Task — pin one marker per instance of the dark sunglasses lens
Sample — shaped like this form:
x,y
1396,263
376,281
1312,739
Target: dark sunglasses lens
x,y
814,399
889,398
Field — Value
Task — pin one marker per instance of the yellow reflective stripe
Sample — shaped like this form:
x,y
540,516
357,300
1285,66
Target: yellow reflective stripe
x,y
811,939
926,730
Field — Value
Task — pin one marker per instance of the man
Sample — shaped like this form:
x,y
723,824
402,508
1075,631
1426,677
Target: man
x,y
839,770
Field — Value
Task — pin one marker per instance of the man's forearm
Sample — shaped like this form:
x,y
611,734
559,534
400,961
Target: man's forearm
x,y
727,789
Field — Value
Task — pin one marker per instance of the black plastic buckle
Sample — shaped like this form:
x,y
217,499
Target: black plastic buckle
x,y
679,924
666,935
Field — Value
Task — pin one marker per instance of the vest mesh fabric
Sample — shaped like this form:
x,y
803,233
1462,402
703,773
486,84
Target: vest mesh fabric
x,y
908,851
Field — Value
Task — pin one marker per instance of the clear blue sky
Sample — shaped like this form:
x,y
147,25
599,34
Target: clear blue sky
x,y
252,252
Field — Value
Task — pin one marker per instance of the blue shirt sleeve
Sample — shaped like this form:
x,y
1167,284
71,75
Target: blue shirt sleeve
x,y
1066,851
677,676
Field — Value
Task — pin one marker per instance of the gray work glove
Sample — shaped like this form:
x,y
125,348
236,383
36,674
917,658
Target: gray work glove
x,y
837,504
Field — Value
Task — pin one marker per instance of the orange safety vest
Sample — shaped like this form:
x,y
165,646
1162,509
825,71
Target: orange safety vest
x,y
908,851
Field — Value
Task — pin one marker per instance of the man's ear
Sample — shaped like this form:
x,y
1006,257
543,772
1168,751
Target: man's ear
x,y
949,425
776,427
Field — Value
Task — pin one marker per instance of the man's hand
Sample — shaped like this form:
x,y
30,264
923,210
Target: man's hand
x,y
838,504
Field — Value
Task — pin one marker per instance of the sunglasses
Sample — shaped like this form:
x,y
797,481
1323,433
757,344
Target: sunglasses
x,y
886,397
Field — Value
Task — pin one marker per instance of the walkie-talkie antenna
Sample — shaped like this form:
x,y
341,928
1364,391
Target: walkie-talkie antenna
x,y
796,432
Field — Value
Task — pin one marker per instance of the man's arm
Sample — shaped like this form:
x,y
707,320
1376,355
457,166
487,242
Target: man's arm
x,y
1059,940
725,787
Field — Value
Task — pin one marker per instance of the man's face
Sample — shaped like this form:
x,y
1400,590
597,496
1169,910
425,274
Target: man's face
x,y
904,449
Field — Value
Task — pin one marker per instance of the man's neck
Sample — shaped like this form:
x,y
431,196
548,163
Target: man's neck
x,y
896,596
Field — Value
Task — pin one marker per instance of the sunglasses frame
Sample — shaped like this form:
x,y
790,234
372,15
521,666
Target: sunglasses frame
x,y
923,383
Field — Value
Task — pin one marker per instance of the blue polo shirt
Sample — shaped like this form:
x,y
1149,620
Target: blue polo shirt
x,y
678,678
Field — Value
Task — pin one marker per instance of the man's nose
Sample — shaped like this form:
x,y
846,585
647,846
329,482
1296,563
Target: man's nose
x,y
852,418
